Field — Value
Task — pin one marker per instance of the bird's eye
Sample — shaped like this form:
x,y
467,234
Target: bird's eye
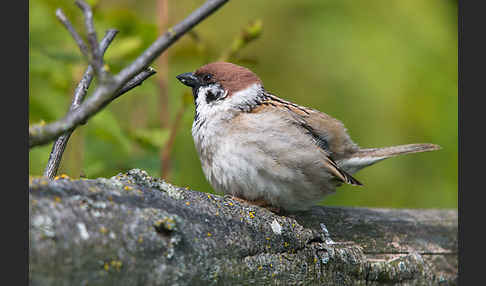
x,y
207,77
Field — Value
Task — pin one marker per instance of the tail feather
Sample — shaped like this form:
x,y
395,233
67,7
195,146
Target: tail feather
x,y
366,157
395,150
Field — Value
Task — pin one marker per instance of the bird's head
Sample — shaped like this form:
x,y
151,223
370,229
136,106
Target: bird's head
x,y
222,84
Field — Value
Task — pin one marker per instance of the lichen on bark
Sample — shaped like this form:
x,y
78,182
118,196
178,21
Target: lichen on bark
x,y
134,229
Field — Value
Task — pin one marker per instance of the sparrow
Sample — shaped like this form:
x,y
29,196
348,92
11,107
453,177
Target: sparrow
x,y
269,151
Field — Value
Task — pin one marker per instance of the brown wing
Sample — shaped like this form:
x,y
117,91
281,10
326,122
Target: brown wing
x,y
328,134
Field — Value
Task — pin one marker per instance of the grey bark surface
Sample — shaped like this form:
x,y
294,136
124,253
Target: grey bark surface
x,y
133,229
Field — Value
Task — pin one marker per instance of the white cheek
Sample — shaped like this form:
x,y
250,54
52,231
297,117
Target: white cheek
x,y
225,106
204,90
206,109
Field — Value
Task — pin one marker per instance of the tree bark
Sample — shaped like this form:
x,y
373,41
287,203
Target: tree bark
x,y
133,229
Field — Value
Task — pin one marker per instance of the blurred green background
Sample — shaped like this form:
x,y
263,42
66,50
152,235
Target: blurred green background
x,y
386,69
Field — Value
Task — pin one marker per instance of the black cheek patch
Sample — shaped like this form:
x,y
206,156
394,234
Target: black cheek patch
x,y
211,96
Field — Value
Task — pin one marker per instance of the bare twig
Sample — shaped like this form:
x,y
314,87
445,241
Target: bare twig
x,y
248,34
83,85
64,20
96,56
163,66
167,149
41,134
136,81
59,146
170,37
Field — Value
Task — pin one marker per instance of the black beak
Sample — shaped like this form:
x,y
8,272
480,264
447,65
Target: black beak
x,y
189,79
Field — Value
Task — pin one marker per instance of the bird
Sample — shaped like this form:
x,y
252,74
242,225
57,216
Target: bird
x,y
259,148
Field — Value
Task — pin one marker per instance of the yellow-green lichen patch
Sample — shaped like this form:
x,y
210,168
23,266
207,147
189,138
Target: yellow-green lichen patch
x,y
62,176
116,264
166,223
103,230
170,31
165,226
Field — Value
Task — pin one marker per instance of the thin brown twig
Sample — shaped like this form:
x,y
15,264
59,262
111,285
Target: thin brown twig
x,y
248,34
167,149
163,98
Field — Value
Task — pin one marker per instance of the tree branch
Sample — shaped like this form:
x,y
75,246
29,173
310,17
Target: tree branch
x,y
77,38
96,59
170,37
235,243
59,146
136,81
41,134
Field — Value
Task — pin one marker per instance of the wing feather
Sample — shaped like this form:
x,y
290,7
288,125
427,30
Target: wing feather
x,y
327,133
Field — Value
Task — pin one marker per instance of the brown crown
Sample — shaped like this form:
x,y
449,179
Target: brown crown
x,y
232,77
